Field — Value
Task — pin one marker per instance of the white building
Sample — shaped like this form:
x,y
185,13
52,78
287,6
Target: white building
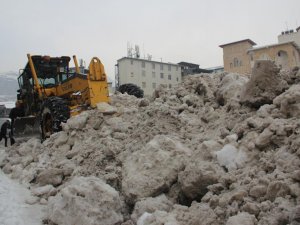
x,y
291,35
147,74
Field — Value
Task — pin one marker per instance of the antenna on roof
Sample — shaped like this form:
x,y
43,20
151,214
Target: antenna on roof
x,y
129,50
286,24
137,51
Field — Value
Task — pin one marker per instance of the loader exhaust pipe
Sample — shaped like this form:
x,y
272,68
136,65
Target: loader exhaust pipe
x,y
76,64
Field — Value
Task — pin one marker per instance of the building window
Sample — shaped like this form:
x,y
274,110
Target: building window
x,y
251,57
235,62
143,84
153,75
153,65
169,77
132,75
170,85
177,79
154,85
162,75
143,65
143,73
161,66
169,67
131,62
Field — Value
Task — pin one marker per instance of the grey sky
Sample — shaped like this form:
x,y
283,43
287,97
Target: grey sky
x,y
174,30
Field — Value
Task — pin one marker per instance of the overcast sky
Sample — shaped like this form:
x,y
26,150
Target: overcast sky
x,y
174,30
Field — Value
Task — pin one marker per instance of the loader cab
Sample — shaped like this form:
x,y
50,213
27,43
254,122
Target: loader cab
x,y
50,71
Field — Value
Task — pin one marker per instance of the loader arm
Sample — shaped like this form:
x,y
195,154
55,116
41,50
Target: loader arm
x,y
34,76
97,82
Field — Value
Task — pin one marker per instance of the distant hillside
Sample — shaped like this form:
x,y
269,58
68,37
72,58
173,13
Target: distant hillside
x,y
8,86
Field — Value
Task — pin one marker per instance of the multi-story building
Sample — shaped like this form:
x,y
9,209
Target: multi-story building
x,y
147,74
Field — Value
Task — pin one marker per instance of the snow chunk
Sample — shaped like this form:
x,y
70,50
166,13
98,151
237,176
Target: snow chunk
x,y
230,157
150,205
157,218
97,202
105,108
289,101
152,170
242,218
264,85
77,122
230,88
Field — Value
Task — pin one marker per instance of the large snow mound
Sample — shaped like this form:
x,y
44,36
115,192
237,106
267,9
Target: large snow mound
x,y
203,152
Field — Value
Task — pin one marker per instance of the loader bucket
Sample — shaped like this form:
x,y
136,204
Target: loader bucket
x,y
26,127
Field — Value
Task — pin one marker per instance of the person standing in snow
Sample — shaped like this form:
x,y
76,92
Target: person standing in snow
x,y
18,111
6,133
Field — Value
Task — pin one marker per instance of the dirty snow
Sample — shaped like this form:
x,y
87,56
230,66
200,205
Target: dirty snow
x,y
204,152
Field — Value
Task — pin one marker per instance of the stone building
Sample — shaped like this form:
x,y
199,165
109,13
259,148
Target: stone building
x,y
286,55
240,56
235,56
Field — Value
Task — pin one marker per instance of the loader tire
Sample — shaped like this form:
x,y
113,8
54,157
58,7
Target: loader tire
x,y
131,89
55,110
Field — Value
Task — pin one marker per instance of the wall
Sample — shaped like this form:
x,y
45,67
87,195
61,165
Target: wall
x,y
236,58
290,37
143,74
288,57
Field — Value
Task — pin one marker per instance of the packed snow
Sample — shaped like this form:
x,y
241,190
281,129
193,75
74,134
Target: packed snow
x,y
16,203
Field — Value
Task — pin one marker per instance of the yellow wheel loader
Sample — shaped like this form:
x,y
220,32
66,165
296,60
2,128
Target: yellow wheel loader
x,y
50,92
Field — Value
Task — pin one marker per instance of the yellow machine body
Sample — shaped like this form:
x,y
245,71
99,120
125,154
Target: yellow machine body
x,y
50,92
82,90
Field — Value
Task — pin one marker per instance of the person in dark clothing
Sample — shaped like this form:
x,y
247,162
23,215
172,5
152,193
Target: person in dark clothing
x,y
18,111
6,133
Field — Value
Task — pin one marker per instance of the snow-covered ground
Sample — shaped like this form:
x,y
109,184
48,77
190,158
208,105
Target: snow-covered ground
x,y
13,207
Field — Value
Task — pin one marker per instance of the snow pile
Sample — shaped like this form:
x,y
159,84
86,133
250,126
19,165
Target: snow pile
x,y
204,152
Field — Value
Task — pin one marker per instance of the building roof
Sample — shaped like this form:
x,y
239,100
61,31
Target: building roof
x,y
236,42
192,65
298,28
215,68
274,45
146,60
